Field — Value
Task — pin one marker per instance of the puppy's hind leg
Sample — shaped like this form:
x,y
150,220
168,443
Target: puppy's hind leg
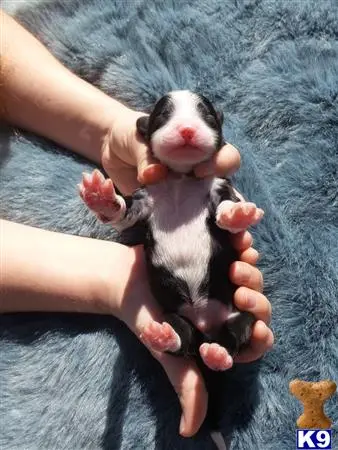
x,y
215,356
176,336
161,337
236,331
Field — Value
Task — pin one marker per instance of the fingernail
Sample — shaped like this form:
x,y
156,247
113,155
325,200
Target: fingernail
x,y
182,425
251,301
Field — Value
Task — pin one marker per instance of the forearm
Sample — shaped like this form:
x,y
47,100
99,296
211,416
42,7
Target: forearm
x,y
39,94
47,271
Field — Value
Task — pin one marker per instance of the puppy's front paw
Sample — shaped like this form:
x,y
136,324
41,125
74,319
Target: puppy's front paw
x,y
236,217
215,356
161,337
100,197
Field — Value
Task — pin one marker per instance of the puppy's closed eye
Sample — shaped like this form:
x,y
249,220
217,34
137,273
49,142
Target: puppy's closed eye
x,y
142,125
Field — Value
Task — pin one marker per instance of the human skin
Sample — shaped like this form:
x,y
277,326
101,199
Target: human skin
x,y
47,271
56,104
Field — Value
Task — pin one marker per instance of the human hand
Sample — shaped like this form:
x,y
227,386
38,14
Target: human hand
x,y
249,297
137,308
128,161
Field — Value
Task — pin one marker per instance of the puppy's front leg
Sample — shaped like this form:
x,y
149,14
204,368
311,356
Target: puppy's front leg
x,y
100,197
237,216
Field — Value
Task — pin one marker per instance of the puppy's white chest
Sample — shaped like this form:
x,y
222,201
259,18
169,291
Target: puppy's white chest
x,y
182,239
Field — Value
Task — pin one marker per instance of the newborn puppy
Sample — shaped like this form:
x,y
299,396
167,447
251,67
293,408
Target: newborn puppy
x,y
188,222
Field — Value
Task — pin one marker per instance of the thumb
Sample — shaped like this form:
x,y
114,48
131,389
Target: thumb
x,y
189,386
182,372
149,169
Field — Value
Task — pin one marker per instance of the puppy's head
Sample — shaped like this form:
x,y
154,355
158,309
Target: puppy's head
x,y
183,130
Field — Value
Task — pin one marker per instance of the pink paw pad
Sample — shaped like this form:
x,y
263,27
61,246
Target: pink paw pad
x,y
236,217
99,195
215,356
161,337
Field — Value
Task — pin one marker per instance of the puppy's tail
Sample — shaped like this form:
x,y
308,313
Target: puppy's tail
x,y
214,382
217,437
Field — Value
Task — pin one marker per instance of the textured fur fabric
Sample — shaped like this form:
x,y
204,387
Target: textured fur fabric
x,y
85,382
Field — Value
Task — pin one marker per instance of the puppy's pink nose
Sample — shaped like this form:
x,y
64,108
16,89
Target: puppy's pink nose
x,y
187,133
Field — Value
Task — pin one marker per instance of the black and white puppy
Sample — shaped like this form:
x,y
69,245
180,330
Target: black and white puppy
x,y
187,243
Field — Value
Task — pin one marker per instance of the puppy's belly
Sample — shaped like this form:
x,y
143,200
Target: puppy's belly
x,y
184,249
183,246
207,315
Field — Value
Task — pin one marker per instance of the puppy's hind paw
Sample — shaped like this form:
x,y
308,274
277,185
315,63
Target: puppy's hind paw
x,y
215,356
161,337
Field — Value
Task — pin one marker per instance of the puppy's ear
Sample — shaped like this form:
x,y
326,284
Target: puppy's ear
x,y
220,116
142,125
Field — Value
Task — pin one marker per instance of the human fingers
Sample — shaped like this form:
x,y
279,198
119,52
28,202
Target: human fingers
x,y
244,274
224,163
261,341
129,177
149,169
241,241
190,388
249,256
252,301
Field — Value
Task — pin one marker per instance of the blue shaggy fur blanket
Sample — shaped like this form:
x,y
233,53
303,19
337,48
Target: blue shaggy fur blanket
x,y
85,382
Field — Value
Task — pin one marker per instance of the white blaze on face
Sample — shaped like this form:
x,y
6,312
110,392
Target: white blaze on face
x,y
168,142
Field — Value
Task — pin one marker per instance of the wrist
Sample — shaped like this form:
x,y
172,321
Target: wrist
x,y
58,272
129,299
113,278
